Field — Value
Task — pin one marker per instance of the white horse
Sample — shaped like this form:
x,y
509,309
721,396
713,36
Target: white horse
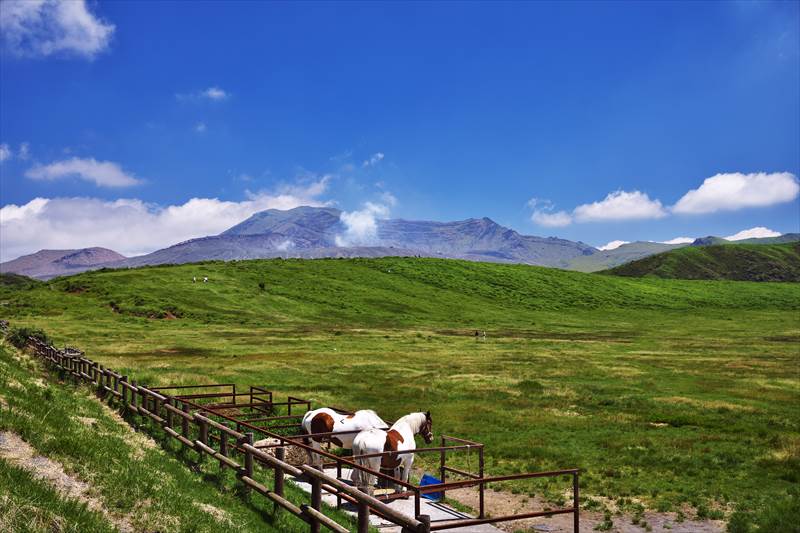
x,y
326,420
399,438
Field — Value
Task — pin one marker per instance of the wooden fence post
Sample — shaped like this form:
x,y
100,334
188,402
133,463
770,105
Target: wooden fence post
x,y
426,523
338,491
442,462
124,392
168,414
316,501
134,400
280,454
203,435
223,446
363,517
576,503
185,421
248,459
482,488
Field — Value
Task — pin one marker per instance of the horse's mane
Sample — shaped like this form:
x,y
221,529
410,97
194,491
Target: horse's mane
x,y
409,417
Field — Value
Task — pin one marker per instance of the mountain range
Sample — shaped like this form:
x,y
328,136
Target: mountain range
x,y
316,232
46,264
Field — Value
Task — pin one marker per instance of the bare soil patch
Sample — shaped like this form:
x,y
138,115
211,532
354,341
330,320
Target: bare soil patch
x,y
218,514
506,503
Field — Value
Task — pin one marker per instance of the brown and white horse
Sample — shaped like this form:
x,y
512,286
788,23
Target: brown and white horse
x,y
326,420
399,438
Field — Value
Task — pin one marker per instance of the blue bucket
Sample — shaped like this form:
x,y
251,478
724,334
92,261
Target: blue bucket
x,y
430,480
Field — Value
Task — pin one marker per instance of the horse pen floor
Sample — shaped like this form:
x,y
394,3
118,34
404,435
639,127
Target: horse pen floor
x,y
437,511
506,503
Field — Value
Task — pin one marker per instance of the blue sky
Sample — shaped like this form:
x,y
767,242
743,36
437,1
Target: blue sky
x,y
114,115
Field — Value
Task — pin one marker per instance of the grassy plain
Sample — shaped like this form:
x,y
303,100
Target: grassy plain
x,y
669,393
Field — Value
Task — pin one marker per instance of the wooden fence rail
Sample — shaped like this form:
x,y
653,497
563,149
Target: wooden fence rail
x,y
164,411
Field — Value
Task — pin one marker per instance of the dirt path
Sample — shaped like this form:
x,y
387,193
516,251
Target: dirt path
x,y
505,503
21,454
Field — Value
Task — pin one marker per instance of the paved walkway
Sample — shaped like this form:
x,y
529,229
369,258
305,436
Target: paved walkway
x,y
437,511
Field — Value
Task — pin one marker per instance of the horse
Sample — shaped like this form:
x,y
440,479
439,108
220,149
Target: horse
x,y
326,420
399,438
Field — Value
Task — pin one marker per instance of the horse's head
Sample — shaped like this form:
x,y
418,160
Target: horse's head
x,y
426,430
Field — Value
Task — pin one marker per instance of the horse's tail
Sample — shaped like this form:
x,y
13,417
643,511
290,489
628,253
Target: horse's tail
x,y
361,479
355,475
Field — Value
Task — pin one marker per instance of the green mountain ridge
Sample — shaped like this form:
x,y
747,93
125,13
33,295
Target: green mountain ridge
x,y
738,262
607,259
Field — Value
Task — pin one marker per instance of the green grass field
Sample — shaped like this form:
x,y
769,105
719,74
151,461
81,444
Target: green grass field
x,y
665,392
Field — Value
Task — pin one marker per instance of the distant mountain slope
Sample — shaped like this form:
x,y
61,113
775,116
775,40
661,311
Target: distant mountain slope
x,y
46,264
479,240
311,226
786,237
740,262
604,259
311,232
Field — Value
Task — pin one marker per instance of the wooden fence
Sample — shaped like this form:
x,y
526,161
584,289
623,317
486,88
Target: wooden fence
x,y
232,449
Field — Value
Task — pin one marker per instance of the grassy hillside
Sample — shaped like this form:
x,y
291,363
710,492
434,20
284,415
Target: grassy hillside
x,y
742,262
136,482
680,395
17,281
626,253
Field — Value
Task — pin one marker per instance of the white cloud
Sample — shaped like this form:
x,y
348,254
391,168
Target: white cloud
x,y
543,214
101,173
5,152
557,219
620,205
361,227
373,160
131,226
679,240
24,151
389,199
612,245
733,191
200,127
212,93
215,93
753,233
47,27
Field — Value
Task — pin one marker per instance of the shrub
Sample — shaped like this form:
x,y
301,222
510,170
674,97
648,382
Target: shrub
x,y
740,522
607,524
19,336
781,515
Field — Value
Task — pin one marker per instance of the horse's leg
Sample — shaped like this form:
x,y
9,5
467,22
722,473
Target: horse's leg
x,y
316,459
407,468
308,442
367,479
